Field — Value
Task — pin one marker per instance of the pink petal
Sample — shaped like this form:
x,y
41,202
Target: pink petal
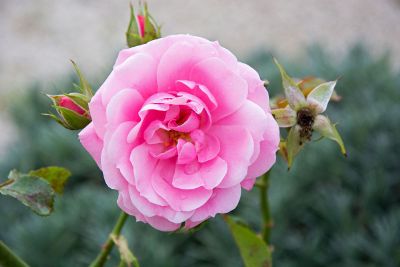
x,y
91,142
268,148
228,88
190,124
98,114
177,62
112,175
237,148
125,204
178,199
212,172
162,224
198,90
137,72
124,106
184,180
223,200
257,92
143,167
186,152
118,149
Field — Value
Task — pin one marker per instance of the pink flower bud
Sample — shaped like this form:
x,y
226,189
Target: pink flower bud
x,y
67,103
140,21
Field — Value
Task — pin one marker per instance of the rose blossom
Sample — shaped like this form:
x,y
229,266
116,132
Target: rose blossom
x,y
178,127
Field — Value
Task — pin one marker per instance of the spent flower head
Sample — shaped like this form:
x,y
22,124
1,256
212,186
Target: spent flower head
x,y
301,112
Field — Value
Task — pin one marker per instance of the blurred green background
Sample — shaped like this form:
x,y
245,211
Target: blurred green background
x,y
328,211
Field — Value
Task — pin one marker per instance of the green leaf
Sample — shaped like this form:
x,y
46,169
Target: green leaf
x,y
254,251
126,255
32,191
319,97
324,126
285,117
55,176
293,93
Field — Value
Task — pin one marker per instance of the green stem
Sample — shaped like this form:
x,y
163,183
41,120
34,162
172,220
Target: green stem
x,y
8,257
107,247
266,215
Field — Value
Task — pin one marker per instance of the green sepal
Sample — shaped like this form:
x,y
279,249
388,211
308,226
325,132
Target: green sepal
x,y
83,84
71,119
151,29
55,176
128,259
319,97
132,33
324,127
32,191
292,91
254,251
293,144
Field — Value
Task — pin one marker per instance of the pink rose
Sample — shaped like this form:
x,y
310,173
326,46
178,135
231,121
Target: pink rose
x,y
178,128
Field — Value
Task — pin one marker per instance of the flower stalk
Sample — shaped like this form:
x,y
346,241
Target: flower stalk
x,y
107,247
9,259
265,210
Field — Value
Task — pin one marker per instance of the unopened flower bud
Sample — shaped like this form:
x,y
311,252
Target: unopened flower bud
x,y
142,27
73,108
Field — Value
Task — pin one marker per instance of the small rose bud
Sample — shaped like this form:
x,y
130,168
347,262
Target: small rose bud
x,y
73,108
142,27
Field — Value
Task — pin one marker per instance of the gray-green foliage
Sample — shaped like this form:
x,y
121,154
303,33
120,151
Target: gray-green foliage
x,y
328,211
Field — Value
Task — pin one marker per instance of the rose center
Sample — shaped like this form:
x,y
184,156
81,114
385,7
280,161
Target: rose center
x,y
305,119
174,136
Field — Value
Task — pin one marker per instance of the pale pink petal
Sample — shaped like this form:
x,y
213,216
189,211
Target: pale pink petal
x,y
228,88
91,142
